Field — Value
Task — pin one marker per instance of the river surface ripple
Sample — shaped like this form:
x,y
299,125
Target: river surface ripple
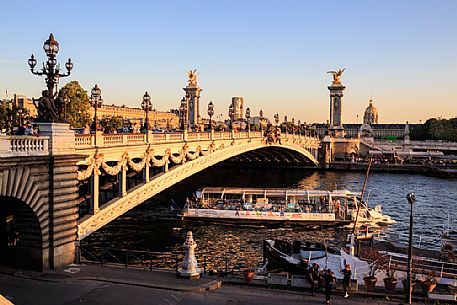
x,y
147,228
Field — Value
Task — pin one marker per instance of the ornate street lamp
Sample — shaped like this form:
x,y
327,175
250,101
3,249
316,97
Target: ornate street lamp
x,y
183,111
248,118
411,197
293,127
231,114
211,113
299,128
50,108
96,102
146,105
19,111
276,116
261,120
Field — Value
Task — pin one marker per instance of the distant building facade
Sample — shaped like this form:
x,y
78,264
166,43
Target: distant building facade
x,y
157,119
238,105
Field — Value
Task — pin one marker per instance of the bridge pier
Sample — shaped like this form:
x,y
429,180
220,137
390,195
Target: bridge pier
x,y
146,172
94,192
122,181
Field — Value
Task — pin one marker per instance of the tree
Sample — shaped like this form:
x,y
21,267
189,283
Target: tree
x,y
113,122
77,110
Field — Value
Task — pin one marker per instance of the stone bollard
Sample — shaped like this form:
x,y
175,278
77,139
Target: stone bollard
x,y
189,267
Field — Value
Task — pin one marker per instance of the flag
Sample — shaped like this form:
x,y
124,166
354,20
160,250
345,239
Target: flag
x,y
174,206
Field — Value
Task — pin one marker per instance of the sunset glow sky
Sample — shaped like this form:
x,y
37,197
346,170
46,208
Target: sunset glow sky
x,y
273,53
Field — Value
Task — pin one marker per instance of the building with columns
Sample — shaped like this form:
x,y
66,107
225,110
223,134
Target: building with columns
x,y
157,119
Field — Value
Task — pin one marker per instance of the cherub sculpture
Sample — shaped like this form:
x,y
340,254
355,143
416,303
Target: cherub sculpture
x,y
337,75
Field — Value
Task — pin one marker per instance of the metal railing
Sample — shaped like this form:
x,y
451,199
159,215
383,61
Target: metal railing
x,y
209,263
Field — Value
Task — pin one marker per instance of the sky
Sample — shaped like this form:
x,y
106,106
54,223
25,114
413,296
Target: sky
x,y
275,54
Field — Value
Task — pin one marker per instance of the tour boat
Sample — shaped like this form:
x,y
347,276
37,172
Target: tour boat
x,y
274,206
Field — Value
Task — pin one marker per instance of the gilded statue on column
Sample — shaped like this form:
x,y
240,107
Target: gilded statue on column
x,y
192,75
337,75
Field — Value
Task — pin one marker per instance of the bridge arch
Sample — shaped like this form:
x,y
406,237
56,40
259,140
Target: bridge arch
x,y
141,193
20,235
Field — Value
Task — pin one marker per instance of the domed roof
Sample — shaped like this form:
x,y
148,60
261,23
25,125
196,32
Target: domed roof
x,y
371,114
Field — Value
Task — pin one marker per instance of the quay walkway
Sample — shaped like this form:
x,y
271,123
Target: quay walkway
x,y
16,285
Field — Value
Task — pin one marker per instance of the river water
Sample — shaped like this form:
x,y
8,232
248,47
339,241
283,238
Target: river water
x,y
149,228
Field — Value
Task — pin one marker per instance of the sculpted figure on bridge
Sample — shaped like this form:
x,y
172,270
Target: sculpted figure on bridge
x,y
192,74
46,107
337,75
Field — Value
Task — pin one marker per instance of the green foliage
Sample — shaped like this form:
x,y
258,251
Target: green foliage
x,y
77,111
9,117
441,129
112,122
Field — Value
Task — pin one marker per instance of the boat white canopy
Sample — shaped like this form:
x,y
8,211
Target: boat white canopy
x,y
278,192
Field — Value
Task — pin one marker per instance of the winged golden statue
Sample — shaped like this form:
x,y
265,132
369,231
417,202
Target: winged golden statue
x,y
192,75
337,75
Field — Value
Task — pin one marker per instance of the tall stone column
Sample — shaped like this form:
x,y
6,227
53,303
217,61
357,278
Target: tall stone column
x,y
193,105
336,97
193,100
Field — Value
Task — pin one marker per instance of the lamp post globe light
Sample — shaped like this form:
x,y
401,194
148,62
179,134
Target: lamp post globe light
x,y
299,128
146,105
411,197
276,119
210,114
183,111
248,118
50,108
293,127
230,114
19,112
96,102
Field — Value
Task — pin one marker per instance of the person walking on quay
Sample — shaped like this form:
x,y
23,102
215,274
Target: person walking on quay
x,y
329,279
347,273
312,276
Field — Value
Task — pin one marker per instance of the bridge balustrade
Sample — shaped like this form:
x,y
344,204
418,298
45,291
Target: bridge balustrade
x,y
174,137
84,141
112,139
23,145
138,138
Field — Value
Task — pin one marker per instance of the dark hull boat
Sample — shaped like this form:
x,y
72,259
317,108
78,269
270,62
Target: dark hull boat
x,y
292,257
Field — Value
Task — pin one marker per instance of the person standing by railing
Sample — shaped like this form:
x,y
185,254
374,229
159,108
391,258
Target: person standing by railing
x,y
347,273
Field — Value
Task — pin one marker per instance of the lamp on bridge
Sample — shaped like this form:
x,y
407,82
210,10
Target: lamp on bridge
x,y
261,121
19,112
96,102
299,129
231,115
276,119
248,118
183,112
210,113
50,107
411,197
293,127
146,105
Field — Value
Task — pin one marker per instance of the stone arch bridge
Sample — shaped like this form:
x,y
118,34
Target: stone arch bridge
x,y
41,179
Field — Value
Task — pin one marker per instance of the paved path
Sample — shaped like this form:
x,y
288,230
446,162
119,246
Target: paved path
x,y
105,285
